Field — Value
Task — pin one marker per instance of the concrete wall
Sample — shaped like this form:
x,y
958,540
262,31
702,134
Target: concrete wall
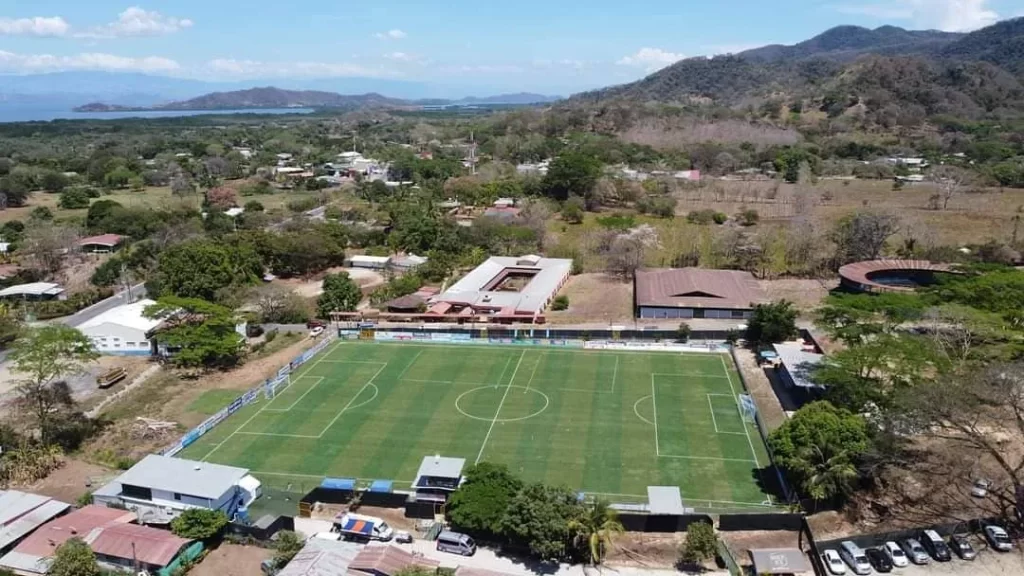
x,y
684,313
115,339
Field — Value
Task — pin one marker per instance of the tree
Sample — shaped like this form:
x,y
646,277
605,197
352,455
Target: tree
x,y
279,305
199,523
201,334
73,199
341,294
951,182
182,185
222,197
819,447
701,543
571,174
747,217
480,502
863,236
49,244
572,210
52,181
253,206
683,332
13,192
74,558
627,250
539,516
288,544
118,178
771,323
45,356
200,268
594,530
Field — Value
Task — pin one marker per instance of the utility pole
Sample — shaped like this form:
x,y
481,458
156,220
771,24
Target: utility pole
x,y
472,152
126,281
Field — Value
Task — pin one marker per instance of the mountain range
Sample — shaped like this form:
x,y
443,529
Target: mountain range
x,y
887,71
271,97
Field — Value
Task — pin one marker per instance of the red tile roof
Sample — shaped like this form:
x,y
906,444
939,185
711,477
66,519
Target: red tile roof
x,y
697,288
101,240
152,546
859,274
78,524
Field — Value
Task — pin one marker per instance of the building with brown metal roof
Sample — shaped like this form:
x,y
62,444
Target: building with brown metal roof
x,y
695,293
890,275
387,561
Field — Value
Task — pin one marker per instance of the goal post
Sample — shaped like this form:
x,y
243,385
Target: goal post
x,y
747,407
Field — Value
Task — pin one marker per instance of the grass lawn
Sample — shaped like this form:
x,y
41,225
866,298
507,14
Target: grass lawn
x,y
608,423
211,401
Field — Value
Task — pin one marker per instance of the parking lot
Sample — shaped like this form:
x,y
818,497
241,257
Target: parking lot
x,y
988,563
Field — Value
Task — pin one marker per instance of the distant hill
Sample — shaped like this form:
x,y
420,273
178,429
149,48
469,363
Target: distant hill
x,y
849,42
270,97
892,76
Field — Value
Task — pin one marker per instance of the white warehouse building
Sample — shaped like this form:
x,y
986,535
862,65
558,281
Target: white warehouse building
x,y
122,331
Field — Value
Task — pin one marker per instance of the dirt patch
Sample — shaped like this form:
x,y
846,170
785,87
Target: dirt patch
x,y
595,298
646,550
806,295
314,286
232,560
768,405
69,482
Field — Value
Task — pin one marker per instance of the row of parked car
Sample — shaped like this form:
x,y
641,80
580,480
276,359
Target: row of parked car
x,y
930,546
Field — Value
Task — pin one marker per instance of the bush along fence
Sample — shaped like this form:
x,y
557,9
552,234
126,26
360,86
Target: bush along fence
x,y
267,389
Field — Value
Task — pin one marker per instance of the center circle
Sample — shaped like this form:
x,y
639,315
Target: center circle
x,y
464,403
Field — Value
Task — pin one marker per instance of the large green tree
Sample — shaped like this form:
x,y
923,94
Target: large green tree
x,y
74,558
341,294
201,268
479,503
572,174
44,356
539,518
199,334
771,323
818,449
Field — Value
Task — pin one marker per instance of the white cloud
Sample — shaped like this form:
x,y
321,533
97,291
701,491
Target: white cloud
x,y
400,56
650,59
138,22
259,69
716,49
12,62
948,15
53,26
481,69
393,34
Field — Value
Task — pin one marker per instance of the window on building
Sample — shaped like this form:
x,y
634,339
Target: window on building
x,y
177,497
130,344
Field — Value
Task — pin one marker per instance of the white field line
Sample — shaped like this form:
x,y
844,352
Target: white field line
x,y
288,409
715,458
450,382
324,354
686,499
353,399
654,405
615,373
688,374
532,374
498,411
279,434
414,359
550,349
712,408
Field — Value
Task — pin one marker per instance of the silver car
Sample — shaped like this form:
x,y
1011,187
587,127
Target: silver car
x,y
998,538
914,550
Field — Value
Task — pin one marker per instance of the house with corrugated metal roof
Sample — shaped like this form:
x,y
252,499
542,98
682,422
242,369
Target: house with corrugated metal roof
x,y
22,512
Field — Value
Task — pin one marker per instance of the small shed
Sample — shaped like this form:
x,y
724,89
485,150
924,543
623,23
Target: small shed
x,y
370,262
409,304
665,501
102,244
438,477
34,291
780,561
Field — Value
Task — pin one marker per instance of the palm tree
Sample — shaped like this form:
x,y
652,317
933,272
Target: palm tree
x,y
828,476
595,527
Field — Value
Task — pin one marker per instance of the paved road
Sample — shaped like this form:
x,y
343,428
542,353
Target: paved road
x,y
82,316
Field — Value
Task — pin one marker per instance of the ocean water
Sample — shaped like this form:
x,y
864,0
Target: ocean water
x,y
29,114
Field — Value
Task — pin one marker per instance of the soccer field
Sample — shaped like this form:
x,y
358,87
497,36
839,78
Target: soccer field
x,y
604,422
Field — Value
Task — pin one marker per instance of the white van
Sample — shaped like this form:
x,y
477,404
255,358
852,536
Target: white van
x,y
455,543
363,527
855,557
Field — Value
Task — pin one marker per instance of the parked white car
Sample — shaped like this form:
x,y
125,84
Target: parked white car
x,y
998,538
834,562
896,554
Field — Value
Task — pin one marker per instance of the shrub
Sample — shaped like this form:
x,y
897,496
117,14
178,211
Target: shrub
x,y
701,543
73,199
561,302
720,218
747,217
572,210
199,523
303,204
683,332
270,336
704,217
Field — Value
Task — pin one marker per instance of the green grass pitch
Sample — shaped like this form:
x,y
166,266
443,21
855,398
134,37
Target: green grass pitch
x,y
604,422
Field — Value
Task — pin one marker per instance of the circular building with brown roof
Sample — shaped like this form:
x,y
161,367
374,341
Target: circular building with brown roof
x,y
890,275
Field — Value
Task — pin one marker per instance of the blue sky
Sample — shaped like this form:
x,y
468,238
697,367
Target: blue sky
x,y
552,46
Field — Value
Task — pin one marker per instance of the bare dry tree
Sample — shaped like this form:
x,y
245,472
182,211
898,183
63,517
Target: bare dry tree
x,y
951,182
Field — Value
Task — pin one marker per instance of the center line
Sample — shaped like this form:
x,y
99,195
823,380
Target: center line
x,y
498,411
